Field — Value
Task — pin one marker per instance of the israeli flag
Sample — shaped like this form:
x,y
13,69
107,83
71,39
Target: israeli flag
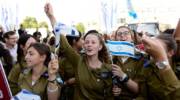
x,y
121,48
26,95
131,11
61,28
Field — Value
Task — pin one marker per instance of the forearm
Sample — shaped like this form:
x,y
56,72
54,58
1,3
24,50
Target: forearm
x,y
13,79
68,51
132,86
168,76
52,20
169,79
166,72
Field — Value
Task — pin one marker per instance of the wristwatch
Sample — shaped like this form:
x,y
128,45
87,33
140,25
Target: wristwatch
x,y
124,79
162,64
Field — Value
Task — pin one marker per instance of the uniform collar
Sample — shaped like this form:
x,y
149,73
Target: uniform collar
x,y
28,74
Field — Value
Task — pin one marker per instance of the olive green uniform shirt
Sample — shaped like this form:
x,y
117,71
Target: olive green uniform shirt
x,y
90,86
159,86
40,86
133,68
21,78
67,72
14,76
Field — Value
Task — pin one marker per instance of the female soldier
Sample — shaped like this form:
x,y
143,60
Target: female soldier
x,y
23,43
160,82
130,68
66,70
90,80
90,67
36,78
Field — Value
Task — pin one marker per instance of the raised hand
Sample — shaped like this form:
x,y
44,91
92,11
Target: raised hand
x,y
48,10
155,48
53,67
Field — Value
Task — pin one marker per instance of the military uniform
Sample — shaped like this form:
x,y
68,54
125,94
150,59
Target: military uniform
x,y
175,64
66,72
90,84
14,75
40,86
133,68
158,86
25,82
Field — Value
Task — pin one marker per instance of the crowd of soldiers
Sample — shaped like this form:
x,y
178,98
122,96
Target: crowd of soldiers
x,y
81,68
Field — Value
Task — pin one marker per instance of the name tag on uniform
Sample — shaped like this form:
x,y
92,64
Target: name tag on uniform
x,y
26,95
121,48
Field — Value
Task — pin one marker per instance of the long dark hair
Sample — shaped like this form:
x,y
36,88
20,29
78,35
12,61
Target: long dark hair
x,y
169,40
21,42
43,49
103,53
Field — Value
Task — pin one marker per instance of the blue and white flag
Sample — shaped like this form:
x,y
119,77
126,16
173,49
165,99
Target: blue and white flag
x,y
121,48
26,95
61,28
109,14
131,11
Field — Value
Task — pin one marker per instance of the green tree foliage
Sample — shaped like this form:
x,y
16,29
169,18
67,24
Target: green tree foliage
x,y
80,27
43,24
30,22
